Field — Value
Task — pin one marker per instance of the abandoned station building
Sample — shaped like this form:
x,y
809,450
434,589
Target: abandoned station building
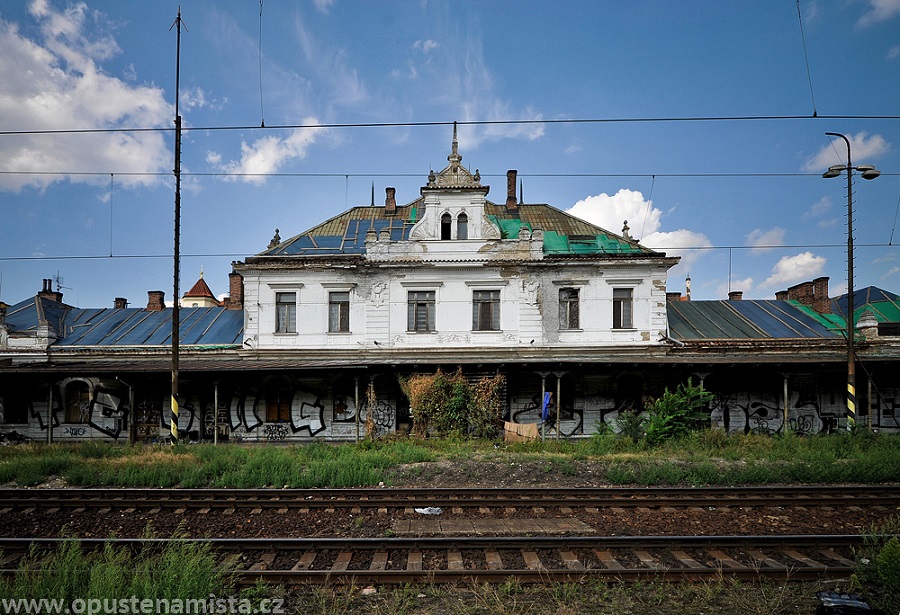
x,y
449,280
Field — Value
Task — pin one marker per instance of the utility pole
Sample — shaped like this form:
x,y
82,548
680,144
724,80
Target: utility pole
x,y
177,255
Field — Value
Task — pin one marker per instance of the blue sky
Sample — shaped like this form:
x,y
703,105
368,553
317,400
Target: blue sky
x,y
742,201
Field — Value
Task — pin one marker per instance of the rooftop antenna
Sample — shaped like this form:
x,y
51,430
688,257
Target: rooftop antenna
x,y
59,280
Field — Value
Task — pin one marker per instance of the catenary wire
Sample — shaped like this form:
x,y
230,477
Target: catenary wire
x,y
619,120
245,254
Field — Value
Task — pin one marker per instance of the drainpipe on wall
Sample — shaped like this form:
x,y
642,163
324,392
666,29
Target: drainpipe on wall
x,y
50,416
215,412
558,402
356,401
543,394
785,403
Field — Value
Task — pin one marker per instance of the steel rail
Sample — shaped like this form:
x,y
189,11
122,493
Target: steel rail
x,y
791,564
464,497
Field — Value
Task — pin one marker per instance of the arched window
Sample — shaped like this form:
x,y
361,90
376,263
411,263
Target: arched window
x,y
446,224
462,226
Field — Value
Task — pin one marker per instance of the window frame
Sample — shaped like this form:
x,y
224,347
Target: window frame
x,y
446,226
462,226
485,310
566,309
339,312
623,308
290,306
416,300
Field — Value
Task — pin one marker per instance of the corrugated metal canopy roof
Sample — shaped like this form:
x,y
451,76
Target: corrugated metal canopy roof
x,y
124,327
749,319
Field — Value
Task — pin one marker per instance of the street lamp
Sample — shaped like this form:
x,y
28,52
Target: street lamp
x,y
868,172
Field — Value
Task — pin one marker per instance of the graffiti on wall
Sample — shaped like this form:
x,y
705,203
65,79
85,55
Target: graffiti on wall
x,y
383,416
764,414
571,420
80,403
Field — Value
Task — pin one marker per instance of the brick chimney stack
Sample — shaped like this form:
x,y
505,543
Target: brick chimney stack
x,y
120,303
511,203
821,302
781,295
235,300
736,295
156,301
390,201
47,291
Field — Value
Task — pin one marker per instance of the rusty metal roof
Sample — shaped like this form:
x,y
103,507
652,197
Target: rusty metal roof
x,y
747,320
345,234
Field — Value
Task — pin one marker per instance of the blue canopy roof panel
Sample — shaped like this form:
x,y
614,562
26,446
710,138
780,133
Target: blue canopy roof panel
x,y
129,327
751,319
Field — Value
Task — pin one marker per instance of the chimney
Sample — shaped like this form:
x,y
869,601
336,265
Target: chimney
x,y
673,296
120,303
156,301
781,295
47,291
736,295
235,300
511,204
390,201
802,292
821,302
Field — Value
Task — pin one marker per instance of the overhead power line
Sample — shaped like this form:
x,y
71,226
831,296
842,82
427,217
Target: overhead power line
x,y
647,174
611,120
246,254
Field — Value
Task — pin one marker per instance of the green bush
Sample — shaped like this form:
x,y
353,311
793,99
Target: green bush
x,y
879,565
449,405
677,413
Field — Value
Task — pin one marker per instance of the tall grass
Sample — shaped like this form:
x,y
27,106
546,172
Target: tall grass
x,y
706,457
170,570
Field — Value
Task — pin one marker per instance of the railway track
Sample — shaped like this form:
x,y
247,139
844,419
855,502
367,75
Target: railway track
x,y
392,561
106,498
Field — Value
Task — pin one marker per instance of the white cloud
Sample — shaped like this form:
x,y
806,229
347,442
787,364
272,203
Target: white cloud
x,y
332,69
644,221
818,209
792,269
862,147
324,6
690,246
611,212
268,154
893,53
55,83
879,11
425,46
761,240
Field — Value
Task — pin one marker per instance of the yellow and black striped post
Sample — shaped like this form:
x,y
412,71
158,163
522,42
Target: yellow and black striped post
x,y
173,420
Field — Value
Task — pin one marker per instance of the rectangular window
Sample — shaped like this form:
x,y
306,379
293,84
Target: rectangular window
x,y
420,311
622,308
339,312
285,312
568,308
486,310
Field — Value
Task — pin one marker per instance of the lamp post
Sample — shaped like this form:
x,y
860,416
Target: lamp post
x,y
868,172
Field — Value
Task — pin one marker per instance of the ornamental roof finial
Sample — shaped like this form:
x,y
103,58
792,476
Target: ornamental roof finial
x,y
454,156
